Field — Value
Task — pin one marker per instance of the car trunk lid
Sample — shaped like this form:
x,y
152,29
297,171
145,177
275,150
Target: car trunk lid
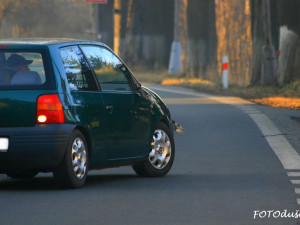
x,y
18,107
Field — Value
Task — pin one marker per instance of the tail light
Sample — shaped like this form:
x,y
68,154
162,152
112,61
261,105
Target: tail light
x,y
49,109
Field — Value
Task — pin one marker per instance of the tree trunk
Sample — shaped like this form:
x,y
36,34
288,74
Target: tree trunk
x,y
289,17
153,26
129,37
117,25
201,44
289,46
259,37
269,64
233,27
105,23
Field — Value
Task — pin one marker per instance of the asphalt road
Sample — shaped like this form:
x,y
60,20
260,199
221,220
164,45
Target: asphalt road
x,y
225,169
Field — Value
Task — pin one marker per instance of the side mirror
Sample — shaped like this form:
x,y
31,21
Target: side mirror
x,y
138,86
143,93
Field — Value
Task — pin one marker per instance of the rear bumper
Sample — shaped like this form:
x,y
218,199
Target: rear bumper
x,y
41,147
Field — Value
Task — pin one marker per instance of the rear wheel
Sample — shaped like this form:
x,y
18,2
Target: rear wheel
x,y
161,156
73,170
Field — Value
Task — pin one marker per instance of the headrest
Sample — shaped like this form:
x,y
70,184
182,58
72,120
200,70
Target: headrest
x,y
26,78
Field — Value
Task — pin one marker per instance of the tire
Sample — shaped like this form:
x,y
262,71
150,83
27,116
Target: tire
x,y
161,156
73,170
22,175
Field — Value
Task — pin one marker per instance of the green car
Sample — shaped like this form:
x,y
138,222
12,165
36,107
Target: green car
x,y
70,106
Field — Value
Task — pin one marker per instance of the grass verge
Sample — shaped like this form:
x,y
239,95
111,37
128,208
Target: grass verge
x,y
287,96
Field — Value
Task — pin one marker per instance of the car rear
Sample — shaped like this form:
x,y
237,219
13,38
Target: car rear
x,y
33,132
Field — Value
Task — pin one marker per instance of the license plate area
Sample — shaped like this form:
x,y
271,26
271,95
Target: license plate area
x,y
4,144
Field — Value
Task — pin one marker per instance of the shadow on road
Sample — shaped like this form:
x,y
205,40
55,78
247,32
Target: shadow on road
x,y
187,182
49,182
35,184
109,179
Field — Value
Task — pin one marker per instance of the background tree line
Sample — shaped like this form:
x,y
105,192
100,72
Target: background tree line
x,y
46,18
142,31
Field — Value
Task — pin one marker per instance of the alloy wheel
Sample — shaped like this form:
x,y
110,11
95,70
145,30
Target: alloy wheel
x,y
79,158
160,149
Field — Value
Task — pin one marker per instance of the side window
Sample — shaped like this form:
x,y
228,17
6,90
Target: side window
x,y
109,70
80,77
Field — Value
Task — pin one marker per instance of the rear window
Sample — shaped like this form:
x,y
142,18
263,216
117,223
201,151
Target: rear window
x,y
24,70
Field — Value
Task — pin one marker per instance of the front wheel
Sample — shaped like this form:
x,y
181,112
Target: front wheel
x,y
73,170
161,156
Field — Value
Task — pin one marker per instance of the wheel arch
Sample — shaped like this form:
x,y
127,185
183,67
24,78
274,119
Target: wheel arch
x,y
87,137
168,123
165,121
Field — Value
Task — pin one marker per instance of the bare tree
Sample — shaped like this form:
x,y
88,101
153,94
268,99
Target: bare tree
x,y
269,63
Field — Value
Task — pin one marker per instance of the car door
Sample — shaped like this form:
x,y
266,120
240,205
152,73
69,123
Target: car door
x,y
127,117
87,106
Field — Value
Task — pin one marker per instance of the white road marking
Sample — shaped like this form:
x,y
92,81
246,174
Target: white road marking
x,y
297,190
287,155
293,174
295,181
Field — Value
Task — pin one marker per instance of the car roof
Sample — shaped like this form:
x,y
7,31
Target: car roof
x,y
44,41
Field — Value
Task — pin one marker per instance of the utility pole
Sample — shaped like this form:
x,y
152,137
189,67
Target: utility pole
x,y
269,64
